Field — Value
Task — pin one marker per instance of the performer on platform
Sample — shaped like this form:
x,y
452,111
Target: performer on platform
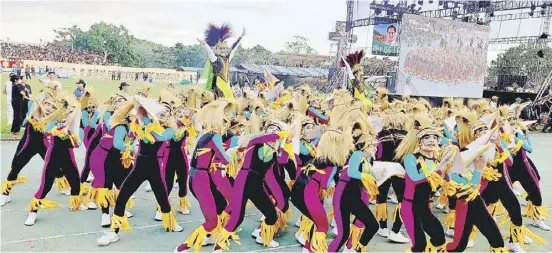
x,y
215,75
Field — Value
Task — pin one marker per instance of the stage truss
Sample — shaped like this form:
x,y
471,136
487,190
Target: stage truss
x,y
481,12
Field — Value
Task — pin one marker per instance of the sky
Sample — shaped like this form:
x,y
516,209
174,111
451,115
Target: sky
x,y
270,23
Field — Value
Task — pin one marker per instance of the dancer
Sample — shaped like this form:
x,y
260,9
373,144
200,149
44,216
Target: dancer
x,y
333,150
152,130
263,152
417,151
90,121
215,75
347,200
209,146
62,131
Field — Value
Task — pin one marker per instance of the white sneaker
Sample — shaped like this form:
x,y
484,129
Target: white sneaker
x,y
66,192
515,247
333,223
158,216
106,220
383,232
31,219
148,187
349,250
300,238
108,238
177,228
440,207
256,233
90,178
528,240
129,214
272,244
4,199
92,205
263,217
209,240
540,224
470,244
437,194
397,237
450,232
83,207
334,231
298,222
184,210
393,199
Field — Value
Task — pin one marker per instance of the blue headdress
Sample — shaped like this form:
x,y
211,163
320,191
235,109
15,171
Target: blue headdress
x,y
215,35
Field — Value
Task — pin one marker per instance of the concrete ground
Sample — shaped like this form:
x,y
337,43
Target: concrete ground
x,y
63,230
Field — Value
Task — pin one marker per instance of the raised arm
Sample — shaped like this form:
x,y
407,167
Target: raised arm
x,y
235,46
210,54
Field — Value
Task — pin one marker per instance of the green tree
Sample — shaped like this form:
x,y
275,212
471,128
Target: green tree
x,y
299,45
114,42
523,61
72,37
189,56
255,55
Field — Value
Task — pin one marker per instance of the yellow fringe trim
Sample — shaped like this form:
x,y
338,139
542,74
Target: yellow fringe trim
x,y
267,233
496,209
501,157
223,218
127,157
196,238
506,137
434,249
84,189
281,223
136,128
150,129
37,204
450,218
130,203
519,233
498,250
169,221
8,185
105,198
290,184
74,202
306,227
396,212
516,147
491,174
369,183
473,234
184,203
444,198
121,223
381,212
435,180
535,212
354,236
91,196
223,241
469,191
62,184
318,242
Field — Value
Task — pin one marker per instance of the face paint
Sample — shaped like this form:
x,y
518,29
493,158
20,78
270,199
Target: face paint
x,y
429,142
272,129
307,129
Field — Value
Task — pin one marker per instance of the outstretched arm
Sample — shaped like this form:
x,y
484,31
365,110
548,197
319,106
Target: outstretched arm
x,y
210,54
235,46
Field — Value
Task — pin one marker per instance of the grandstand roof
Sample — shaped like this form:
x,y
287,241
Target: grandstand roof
x,y
288,71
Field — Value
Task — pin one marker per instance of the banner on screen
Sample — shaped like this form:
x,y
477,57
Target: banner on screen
x,y
441,58
385,40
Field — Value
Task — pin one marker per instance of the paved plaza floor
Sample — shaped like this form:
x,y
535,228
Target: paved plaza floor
x,y
63,230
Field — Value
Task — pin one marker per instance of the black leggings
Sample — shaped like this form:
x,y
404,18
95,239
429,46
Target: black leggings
x,y
398,187
523,171
347,200
93,144
249,186
176,164
59,156
501,190
115,172
468,215
145,168
423,222
17,106
24,153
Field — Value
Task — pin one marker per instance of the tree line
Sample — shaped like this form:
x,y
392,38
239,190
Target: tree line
x,y
120,47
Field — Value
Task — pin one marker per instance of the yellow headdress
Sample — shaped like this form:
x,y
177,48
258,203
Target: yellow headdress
x,y
335,146
466,117
422,124
211,116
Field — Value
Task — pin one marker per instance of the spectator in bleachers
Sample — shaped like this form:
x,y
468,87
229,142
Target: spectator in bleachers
x,y
49,52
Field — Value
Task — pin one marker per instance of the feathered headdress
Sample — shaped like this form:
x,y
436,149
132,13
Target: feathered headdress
x,y
215,34
353,61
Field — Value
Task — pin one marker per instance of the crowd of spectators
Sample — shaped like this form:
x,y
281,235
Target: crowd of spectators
x,y
49,52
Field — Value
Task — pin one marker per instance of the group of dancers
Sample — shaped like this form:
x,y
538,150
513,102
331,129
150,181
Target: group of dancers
x,y
277,148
